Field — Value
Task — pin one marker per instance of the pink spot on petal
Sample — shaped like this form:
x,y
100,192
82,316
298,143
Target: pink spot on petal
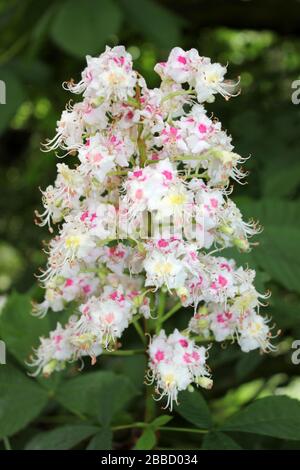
x,y
159,356
220,318
58,339
97,157
162,243
109,318
184,343
196,356
187,358
202,128
167,174
222,281
84,216
226,266
181,59
214,202
139,194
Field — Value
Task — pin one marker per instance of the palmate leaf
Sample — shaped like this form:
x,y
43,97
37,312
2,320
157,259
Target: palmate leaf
x,y
19,329
277,416
84,27
62,438
164,27
278,251
216,440
102,440
98,394
21,400
148,439
194,409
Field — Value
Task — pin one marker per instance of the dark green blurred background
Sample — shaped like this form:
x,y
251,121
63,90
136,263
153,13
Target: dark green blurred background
x,y
44,43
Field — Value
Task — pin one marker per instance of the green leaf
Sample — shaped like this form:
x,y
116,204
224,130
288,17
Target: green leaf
x,y
83,27
14,96
61,438
147,440
102,440
161,421
216,440
278,251
100,394
21,400
194,409
19,328
154,21
277,416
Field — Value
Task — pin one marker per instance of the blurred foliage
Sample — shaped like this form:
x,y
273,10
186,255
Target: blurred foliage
x,y
44,43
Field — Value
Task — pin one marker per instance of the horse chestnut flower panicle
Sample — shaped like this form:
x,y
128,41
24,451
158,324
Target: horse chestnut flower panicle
x,y
141,215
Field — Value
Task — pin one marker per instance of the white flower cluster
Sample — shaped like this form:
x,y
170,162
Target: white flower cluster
x,y
137,212
175,362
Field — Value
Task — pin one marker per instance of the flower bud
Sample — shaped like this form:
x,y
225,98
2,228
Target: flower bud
x,y
226,229
182,293
203,310
138,300
84,341
49,368
241,244
204,382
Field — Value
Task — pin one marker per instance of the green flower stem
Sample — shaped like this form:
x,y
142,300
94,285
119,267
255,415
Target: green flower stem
x,y
142,147
170,428
6,443
171,312
118,173
140,141
191,157
129,426
201,339
133,102
162,428
150,405
125,352
160,309
139,330
197,175
169,96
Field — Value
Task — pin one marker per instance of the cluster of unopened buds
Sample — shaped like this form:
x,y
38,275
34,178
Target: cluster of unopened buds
x,y
142,215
